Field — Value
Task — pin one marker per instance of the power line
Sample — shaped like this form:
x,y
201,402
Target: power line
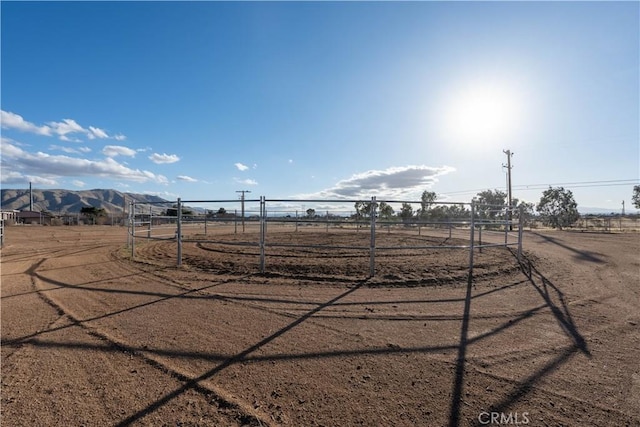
x,y
579,184
631,181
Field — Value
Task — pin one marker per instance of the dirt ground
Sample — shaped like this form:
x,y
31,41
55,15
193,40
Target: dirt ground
x,y
92,338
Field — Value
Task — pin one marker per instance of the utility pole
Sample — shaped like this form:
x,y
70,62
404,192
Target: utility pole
x,y
509,194
242,204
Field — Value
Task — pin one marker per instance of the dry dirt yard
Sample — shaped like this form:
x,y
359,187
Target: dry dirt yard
x,y
92,338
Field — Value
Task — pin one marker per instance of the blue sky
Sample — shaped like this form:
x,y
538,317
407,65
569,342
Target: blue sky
x,y
305,99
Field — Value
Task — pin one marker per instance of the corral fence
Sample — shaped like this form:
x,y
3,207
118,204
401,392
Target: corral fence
x,y
607,224
473,225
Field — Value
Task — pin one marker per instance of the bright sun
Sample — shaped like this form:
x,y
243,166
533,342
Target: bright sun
x,y
480,115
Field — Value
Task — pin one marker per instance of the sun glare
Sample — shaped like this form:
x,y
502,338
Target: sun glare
x,y
480,115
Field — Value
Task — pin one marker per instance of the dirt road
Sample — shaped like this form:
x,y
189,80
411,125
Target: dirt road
x,y
91,338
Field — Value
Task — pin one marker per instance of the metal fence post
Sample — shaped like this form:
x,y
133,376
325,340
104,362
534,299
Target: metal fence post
x,y
149,227
263,223
480,237
471,238
126,221
372,245
520,227
179,232
327,221
132,229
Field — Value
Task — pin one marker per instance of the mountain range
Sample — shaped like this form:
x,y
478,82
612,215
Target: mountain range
x,y
68,201
113,201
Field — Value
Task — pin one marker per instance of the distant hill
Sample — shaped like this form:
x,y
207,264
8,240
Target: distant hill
x,y
602,211
67,201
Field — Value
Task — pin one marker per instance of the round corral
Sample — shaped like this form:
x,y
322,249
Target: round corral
x,y
401,258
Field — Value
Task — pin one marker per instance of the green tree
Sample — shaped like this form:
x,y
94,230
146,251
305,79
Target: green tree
x,y
93,213
636,196
426,200
457,212
489,203
528,211
557,208
386,211
363,209
438,213
406,212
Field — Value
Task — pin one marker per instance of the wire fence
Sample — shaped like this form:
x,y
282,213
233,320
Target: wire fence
x,y
258,224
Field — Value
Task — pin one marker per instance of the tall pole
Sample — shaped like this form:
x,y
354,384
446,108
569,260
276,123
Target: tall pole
x,y
509,194
242,204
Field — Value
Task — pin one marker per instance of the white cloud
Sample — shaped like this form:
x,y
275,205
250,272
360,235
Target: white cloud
x,y
394,182
290,161
97,133
163,158
164,194
241,167
69,150
11,120
246,181
64,129
17,161
118,150
186,178
13,177
67,139
78,183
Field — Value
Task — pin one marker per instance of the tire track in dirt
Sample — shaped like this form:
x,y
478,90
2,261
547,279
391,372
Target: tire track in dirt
x,y
559,303
245,414
544,377
12,346
476,367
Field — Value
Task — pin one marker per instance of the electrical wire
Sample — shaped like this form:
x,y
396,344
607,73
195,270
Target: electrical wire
x,y
569,185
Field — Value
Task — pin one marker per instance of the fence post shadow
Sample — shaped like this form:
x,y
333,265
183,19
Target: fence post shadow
x,y
561,313
546,288
458,382
194,383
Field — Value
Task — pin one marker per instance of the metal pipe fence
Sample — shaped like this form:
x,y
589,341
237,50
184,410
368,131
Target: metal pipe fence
x,y
501,225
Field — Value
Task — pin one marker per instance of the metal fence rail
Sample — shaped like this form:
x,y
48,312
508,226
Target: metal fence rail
x,y
492,220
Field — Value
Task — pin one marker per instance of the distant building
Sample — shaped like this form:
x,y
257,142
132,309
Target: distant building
x,y
32,217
